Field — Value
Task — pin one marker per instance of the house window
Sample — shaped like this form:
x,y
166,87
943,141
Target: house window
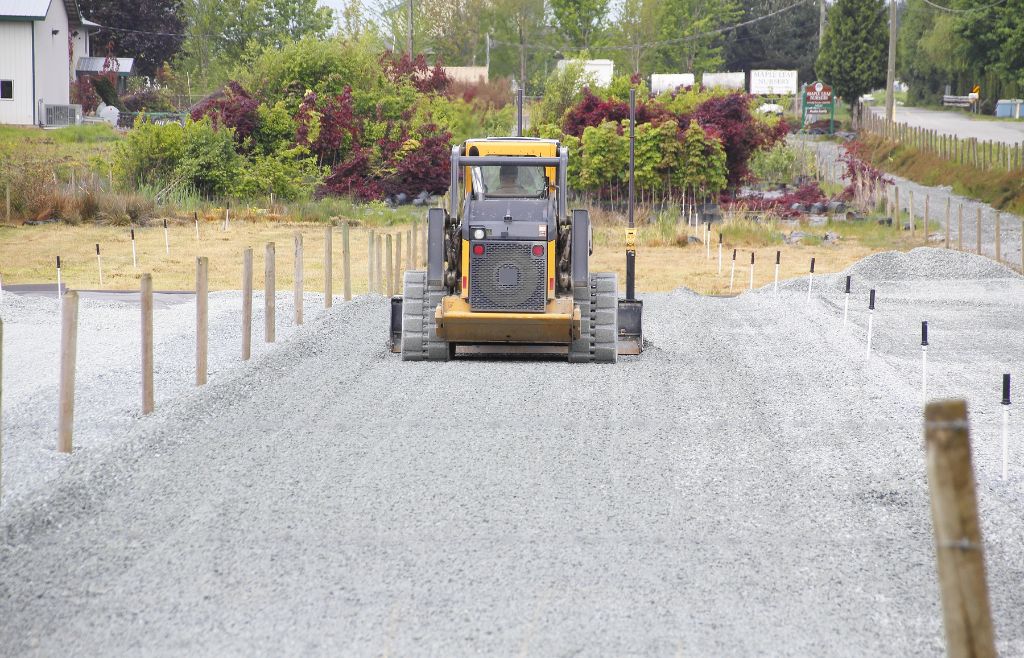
x,y
6,90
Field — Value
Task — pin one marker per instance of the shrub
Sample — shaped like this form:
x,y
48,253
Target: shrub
x,y
289,175
148,99
148,154
233,107
208,161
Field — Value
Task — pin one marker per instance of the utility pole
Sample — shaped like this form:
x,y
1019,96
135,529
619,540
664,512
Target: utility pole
x,y
890,74
487,51
821,23
408,38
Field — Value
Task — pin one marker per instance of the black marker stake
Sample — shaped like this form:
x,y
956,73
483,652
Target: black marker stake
x,y
810,280
846,301
167,241
58,278
719,252
99,263
732,276
195,218
924,361
778,261
1006,421
751,270
871,317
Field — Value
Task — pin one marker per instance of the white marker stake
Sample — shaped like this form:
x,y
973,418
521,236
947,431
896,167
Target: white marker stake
x,y
924,362
810,280
846,302
751,270
135,261
58,278
195,217
719,254
871,317
707,240
732,276
227,215
99,263
778,261
1006,421
167,240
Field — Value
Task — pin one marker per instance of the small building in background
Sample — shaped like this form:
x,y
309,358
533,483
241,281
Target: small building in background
x,y
41,42
602,70
470,75
670,81
123,67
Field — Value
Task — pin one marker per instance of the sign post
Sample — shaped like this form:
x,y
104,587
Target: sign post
x,y
818,100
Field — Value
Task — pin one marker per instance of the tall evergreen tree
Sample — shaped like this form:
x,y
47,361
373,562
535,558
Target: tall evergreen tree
x,y
853,56
155,28
785,41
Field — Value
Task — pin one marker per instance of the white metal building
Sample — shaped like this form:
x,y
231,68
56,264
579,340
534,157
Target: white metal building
x,y
40,43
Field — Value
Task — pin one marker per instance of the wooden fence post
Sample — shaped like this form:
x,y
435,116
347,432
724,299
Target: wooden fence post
x,y
926,211
346,263
396,287
269,293
999,248
328,267
910,210
246,304
898,220
68,354
960,227
371,266
949,218
202,317
408,252
1,411
958,547
977,232
389,281
146,304
297,279
378,276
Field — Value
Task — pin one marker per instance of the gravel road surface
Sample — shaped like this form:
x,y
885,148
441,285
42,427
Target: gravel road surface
x,y
1009,227
959,124
750,485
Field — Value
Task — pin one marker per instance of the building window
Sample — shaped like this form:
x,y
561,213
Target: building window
x,y
6,90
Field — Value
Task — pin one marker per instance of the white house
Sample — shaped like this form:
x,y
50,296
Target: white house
x,y
40,43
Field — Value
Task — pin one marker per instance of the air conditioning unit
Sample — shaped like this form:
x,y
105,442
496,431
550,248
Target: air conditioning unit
x,y
62,115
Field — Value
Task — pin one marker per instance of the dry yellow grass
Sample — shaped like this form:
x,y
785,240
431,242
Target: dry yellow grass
x,y
27,255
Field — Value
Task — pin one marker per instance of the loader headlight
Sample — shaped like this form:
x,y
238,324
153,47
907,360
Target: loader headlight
x,y
479,234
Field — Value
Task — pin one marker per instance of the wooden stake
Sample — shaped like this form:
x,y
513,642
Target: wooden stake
x,y
1,411
328,267
68,354
346,262
898,219
389,281
960,227
246,303
396,287
910,210
269,292
146,304
379,260
297,280
926,212
414,244
958,546
977,232
371,242
408,252
999,249
949,218
202,317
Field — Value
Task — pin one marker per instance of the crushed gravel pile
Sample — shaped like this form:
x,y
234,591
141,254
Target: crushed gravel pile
x,y
750,485
928,263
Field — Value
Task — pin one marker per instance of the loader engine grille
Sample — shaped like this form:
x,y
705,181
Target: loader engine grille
x,y
507,277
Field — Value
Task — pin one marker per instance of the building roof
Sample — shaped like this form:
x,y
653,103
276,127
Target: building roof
x,y
95,65
25,10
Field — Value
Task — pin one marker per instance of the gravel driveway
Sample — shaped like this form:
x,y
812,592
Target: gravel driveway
x,y
959,124
747,486
1010,224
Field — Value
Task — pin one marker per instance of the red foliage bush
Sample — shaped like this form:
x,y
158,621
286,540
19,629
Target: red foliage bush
x,y
806,195
339,127
425,78
592,111
232,107
855,155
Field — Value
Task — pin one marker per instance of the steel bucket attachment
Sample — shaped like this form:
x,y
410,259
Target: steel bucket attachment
x,y
631,333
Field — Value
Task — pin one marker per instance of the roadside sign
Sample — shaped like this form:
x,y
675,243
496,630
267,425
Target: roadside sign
x,y
772,82
976,89
817,100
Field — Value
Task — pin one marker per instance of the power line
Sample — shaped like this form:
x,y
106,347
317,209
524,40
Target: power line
x,y
962,11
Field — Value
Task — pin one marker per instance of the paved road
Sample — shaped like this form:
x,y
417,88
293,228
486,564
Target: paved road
x,y
957,123
748,486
